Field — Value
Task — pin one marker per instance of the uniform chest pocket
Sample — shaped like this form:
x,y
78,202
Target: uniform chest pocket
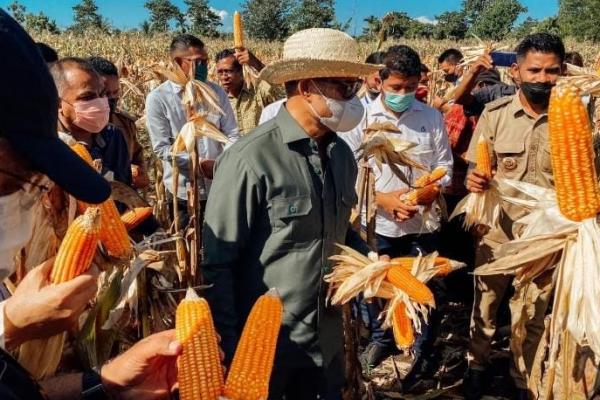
x,y
291,217
511,159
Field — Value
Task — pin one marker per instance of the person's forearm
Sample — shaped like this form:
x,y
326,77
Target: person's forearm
x,y
63,387
462,94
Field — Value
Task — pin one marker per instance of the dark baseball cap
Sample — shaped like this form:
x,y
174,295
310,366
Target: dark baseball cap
x,y
29,112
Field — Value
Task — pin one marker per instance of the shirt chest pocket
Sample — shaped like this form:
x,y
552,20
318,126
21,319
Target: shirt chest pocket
x,y
291,218
511,159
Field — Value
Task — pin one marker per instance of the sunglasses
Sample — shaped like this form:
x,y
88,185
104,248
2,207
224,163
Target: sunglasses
x,y
347,88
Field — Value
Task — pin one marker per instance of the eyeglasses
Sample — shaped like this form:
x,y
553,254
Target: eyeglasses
x,y
346,88
227,72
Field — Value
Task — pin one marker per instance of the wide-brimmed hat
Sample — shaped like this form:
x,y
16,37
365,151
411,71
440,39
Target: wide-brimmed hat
x,y
318,53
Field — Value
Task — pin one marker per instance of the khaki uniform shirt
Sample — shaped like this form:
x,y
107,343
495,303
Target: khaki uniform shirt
x,y
250,103
520,150
126,124
275,211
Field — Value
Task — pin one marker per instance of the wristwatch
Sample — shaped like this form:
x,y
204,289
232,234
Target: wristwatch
x,y
92,387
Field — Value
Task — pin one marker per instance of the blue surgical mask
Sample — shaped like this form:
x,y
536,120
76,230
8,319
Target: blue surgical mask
x,y
399,102
201,72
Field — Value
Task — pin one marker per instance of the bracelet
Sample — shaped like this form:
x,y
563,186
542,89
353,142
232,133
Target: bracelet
x,y
92,387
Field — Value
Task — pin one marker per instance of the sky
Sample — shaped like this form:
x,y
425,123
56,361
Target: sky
x,y
126,14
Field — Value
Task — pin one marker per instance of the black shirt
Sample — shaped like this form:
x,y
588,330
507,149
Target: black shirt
x,y
486,95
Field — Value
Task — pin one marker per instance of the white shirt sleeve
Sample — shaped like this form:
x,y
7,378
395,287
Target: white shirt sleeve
x,y
442,152
270,111
2,338
227,123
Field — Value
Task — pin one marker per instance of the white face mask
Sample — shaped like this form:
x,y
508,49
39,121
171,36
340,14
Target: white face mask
x,y
17,211
345,114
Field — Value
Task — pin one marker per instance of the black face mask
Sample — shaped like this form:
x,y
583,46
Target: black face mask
x,y
537,92
112,104
451,78
373,94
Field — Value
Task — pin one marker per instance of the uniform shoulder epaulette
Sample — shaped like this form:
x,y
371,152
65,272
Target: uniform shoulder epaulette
x,y
499,103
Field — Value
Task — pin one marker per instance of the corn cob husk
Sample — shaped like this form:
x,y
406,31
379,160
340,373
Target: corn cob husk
x,y
250,372
196,127
426,189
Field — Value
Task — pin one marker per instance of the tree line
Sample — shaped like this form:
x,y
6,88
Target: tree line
x,y
277,19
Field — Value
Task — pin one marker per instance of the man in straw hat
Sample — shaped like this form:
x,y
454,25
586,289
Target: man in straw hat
x,y
278,225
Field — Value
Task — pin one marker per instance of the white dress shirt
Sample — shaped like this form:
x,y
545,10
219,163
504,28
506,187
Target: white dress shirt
x,y
270,111
165,116
424,126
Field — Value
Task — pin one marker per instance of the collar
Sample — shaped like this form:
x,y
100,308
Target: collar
x,y
291,131
517,109
176,88
245,90
376,107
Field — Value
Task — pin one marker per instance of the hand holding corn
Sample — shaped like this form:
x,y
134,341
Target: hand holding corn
x,y
38,310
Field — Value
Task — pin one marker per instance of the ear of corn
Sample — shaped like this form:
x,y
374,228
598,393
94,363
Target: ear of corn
x,y
200,372
113,233
402,279
402,327
238,31
251,368
77,249
572,154
484,163
434,176
132,218
423,196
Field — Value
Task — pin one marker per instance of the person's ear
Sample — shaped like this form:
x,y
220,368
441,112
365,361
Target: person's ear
x,y
304,88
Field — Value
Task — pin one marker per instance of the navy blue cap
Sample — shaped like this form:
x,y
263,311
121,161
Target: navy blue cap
x,y
29,112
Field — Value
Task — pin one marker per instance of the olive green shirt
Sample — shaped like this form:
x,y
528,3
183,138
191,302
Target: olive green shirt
x,y
248,106
274,213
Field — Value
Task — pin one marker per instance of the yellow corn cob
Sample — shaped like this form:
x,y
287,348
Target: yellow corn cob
x,y
442,265
238,31
78,247
200,372
113,233
423,196
251,368
402,327
572,154
82,152
484,163
427,179
402,279
136,216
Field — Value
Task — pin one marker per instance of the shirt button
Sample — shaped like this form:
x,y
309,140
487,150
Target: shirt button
x,y
293,209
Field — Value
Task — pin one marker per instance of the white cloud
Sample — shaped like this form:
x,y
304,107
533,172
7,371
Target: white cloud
x,y
221,13
426,20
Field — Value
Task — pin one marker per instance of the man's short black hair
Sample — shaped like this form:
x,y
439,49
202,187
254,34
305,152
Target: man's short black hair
x,y
57,70
402,60
574,58
48,53
425,68
103,66
228,53
184,42
541,43
377,57
453,56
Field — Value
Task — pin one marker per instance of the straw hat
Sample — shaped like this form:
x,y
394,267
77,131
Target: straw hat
x,y
318,53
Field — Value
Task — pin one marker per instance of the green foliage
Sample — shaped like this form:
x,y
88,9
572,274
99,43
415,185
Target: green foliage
x,y
162,12
530,25
17,10
451,25
473,9
86,18
38,23
496,21
396,24
371,28
267,19
312,14
580,19
203,20
418,30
